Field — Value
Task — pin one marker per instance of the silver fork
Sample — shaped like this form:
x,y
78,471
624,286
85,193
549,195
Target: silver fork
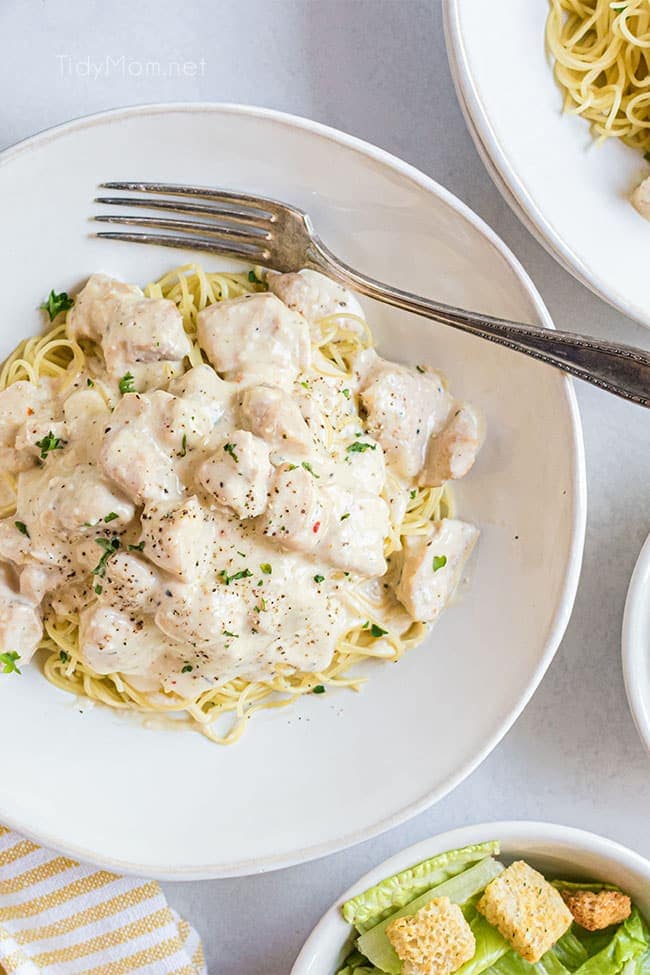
x,y
282,237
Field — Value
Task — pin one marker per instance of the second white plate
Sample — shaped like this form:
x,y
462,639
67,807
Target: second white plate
x,y
570,193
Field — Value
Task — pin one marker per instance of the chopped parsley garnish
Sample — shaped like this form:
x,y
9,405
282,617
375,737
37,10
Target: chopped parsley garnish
x,y
412,493
22,528
137,548
309,468
126,384
183,451
111,516
377,631
419,368
56,303
365,625
99,589
235,636
319,689
8,661
230,449
439,561
89,383
304,384
63,656
359,448
253,278
346,515
346,393
319,578
646,156
49,443
266,568
242,574
110,548
187,669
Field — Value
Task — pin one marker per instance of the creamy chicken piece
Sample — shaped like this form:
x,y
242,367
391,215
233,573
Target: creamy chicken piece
x,y
255,339
313,295
432,565
640,198
212,521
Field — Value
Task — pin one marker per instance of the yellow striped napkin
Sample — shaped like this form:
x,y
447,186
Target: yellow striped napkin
x,y
58,917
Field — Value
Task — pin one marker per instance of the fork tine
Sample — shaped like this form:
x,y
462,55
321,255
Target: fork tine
x,y
241,251
261,203
187,226
202,209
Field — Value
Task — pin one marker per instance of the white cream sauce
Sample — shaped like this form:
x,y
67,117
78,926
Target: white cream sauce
x,y
214,521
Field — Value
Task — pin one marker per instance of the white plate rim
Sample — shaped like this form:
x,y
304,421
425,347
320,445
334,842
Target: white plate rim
x,y
483,130
510,832
636,642
558,625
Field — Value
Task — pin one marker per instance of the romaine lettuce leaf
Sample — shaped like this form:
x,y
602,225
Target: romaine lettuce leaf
x,y
376,947
369,908
630,941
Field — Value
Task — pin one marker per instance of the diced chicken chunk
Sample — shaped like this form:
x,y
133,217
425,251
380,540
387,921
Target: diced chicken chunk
x,y
305,633
313,295
274,416
111,641
15,544
136,452
202,387
363,466
358,527
178,538
37,580
238,474
297,515
452,452
255,338
432,565
201,615
128,583
95,305
85,413
81,499
131,329
19,404
404,408
641,198
20,624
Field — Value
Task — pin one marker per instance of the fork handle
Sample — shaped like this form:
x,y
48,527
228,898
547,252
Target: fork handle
x,y
620,369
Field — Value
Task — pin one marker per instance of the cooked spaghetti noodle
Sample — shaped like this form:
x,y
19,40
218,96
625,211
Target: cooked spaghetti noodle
x,y
602,60
341,337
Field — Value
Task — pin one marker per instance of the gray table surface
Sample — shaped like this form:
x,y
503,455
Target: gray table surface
x,y
378,69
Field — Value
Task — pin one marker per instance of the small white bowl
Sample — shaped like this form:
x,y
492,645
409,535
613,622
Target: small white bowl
x,y
636,644
555,850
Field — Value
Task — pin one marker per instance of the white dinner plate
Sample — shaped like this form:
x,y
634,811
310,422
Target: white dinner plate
x,y
558,851
571,193
336,768
636,644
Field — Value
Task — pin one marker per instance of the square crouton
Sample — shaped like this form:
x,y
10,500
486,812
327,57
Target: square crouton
x,y
436,940
526,909
594,911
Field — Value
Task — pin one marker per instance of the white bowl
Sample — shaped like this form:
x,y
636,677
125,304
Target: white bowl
x,y
555,850
570,193
174,805
636,644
